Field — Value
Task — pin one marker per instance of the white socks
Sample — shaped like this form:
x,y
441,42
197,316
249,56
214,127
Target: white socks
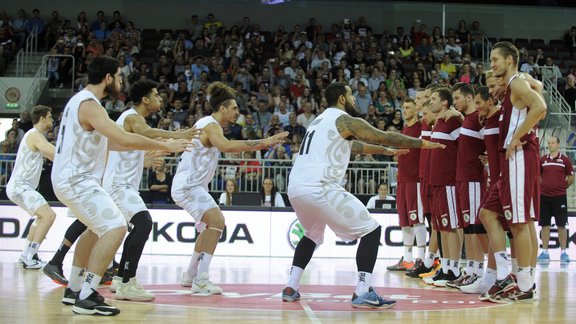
x,y
523,278
363,283
429,260
408,239
420,233
92,281
76,278
295,275
204,264
502,268
193,265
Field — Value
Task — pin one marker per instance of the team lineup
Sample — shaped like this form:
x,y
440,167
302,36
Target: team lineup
x,y
468,165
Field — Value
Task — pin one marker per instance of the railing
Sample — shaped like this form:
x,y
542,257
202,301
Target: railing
x,y
24,54
73,78
486,49
557,106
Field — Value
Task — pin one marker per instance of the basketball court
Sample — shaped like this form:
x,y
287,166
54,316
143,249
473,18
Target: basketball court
x,y
252,293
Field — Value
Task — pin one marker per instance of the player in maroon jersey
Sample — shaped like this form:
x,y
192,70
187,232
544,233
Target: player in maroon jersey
x,y
409,202
469,174
515,195
443,182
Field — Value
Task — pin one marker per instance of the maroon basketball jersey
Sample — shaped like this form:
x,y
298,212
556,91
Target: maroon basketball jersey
x,y
443,162
424,165
408,164
554,172
470,145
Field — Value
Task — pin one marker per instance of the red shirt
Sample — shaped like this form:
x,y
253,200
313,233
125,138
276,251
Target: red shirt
x,y
554,172
408,164
424,166
490,133
469,168
443,162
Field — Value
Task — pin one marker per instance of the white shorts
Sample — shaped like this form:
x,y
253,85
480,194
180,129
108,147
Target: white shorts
x,y
196,201
28,199
337,208
92,206
128,201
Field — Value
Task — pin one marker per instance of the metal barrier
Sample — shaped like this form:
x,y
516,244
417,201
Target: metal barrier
x,y
30,47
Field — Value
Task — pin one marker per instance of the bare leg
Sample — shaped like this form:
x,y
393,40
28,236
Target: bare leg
x,y
208,239
44,218
545,235
562,237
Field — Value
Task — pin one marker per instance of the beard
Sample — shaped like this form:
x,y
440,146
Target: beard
x,y
111,91
351,110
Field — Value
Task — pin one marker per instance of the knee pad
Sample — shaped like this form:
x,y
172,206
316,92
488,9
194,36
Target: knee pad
x,y
142,222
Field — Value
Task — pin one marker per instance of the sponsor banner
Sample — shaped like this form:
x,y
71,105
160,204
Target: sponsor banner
x,y
247,233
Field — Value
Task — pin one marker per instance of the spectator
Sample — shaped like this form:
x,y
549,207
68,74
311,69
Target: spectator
x,y
382,195
530,67
293,128
25,121
227,196
570,40
270,196
447,66
180,115
453,50
476,41
397,121
251,130
159,184
283,113
466,75
363,99
251,170
306,118
53,29
16,127
570,92
6,162
35,22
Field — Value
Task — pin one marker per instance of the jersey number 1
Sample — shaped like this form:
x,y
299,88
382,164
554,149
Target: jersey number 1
x,y
306,142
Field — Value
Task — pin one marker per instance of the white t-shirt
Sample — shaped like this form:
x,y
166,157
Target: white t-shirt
x,y
372,202
278,201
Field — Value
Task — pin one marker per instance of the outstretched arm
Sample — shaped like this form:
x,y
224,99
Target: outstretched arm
x,y
216,138
356,128
363,148
137,124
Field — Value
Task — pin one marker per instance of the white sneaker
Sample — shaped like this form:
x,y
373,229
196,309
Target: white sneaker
x,y
32,264
116,281
477,287
186,280
133,291
202,286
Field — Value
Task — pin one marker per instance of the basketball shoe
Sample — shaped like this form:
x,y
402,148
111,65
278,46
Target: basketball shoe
x,y
435,267
94,305
450,276
202,286
133,291
477,287
69,297
543,257
430,280
55,273
418,270
370,299
289,294
32,264
400,266
513,295
501,287
116,281
186,280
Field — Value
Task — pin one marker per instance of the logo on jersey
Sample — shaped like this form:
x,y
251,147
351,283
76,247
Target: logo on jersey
x,y
413,216
444,222
295,233
466,217
508,214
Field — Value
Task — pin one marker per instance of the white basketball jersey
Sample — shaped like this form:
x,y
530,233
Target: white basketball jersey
x,y
28,166
124,168
323,157
80,155
197,167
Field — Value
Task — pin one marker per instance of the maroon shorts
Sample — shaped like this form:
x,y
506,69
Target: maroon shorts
x,y
444,209
469,195
516,195
425,196
409,204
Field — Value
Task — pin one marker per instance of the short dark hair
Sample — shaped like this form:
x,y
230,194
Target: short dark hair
x,y
333,92
220,93
484,93
556,137
464,88
444,94
101,66
432,86
38,112
141,88
507,49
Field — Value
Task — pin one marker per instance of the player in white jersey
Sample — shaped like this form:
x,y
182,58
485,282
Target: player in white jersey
x,y
122,181
21,188
194,173
319,200
86,134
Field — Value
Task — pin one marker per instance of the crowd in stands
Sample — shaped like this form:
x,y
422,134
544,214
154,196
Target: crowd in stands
x,y
280,75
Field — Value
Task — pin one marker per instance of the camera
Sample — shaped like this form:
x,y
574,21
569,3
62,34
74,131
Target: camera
x,y
347,21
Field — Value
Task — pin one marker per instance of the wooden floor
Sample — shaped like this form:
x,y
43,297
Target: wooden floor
x,y
30,297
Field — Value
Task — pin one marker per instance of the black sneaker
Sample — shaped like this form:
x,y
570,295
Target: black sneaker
x,y
417,271
69,297
94,305
109,274
55,273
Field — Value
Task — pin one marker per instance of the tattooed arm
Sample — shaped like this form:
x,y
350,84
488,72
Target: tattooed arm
x,y
213,135
363,148
359,129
